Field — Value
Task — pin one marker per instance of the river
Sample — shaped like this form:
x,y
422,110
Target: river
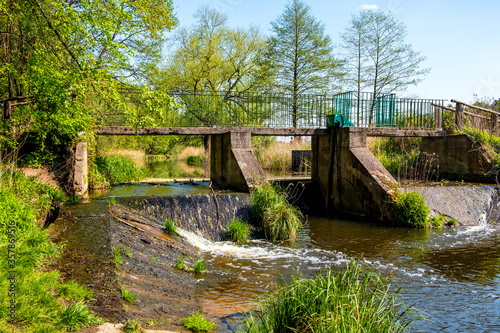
x,y
450,275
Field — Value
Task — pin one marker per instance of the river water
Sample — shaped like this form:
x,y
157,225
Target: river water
x,y
450,275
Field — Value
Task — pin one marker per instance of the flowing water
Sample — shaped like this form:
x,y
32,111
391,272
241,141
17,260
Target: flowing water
x,y
451,275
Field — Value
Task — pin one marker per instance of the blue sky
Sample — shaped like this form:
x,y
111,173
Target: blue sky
x,y
459,38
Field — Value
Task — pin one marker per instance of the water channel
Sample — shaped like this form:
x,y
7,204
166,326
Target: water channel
x,y
450,275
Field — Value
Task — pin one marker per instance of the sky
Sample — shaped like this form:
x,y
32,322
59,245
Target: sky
x,y
459,38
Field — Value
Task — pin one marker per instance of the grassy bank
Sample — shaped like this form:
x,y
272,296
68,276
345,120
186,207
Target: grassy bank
x,y
354,299
35,299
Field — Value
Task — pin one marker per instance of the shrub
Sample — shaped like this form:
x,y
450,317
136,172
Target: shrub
x,y
355,299
411,210
280,220
238,231
195,160
197,323
170,228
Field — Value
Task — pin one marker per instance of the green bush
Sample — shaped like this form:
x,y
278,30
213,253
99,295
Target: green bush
x,y
132,326
195,160
280,220
197,323
199,266
355,299
238,231
411,210
127,296
118,169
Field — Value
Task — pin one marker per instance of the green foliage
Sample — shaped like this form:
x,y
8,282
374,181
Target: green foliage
x,y
72,291
132,326
452,222
199,266
170,228
489,140
117,255
127,296
411,210
238,231
118,169
436,222
354,299
180,263
112,201
195,160
397,153
197,323
44,302
301,53
280,220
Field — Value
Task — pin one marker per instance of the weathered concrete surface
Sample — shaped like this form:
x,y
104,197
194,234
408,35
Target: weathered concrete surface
x,y
461,159
206,214
232,162
352,180
470,205
299,159
258,131
80,176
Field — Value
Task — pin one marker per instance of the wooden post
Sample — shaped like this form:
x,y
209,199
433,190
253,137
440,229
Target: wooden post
x,y
494,123
438,117
7,110
459,116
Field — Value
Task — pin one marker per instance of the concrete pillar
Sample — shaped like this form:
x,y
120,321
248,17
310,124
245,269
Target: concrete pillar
x,y
80,174
232,162
352,180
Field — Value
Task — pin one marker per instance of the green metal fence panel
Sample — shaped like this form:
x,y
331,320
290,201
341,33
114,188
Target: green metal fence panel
x,y
275,110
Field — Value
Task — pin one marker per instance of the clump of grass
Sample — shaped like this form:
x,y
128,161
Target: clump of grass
x,y
127,296
238,231
354,299
72,291
117,255
195,160
118,169
489,140
112,201
170,228
198,323
132,326
452,222
280,220
180,263
77,315
199,266
437,222
411,210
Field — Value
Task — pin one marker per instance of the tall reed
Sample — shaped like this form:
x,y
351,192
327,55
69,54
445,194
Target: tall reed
x,y
354,299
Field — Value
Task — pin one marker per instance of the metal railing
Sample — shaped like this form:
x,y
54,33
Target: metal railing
x,y
274,110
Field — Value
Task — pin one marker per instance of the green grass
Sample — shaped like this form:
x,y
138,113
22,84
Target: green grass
x,y
270,207
44,302
199,266
132,326
397,153
117,255
354,299
195,160
170,228
489,140
180,263
238,231
127,296
411,210
197,323
118,169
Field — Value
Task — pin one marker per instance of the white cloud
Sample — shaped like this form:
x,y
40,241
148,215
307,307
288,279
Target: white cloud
x,y
369,7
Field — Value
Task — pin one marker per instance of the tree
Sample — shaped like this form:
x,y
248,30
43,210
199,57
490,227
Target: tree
x,y
377,57
69,57
215,61
301,54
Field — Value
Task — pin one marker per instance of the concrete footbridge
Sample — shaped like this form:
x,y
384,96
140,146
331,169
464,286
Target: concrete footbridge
x,y
350,178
